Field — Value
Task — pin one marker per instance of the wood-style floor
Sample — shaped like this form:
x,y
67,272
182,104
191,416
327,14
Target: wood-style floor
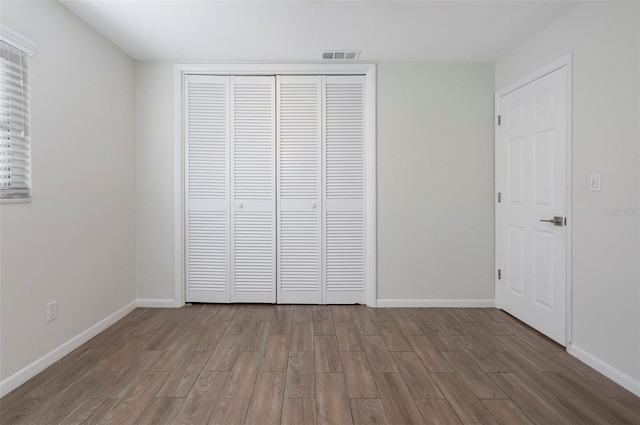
x,y
339,365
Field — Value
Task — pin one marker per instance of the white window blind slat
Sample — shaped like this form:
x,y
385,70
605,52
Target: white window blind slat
x,y
15,160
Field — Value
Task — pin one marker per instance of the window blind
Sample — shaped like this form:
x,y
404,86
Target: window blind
x,y
15,158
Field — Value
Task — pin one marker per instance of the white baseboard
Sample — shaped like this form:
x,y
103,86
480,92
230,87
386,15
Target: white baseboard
x,y
156,303
434,303
604,368
28,372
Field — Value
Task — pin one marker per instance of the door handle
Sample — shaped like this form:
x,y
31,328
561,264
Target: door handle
x,y
556,221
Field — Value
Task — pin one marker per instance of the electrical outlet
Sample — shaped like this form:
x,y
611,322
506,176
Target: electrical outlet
x,y
52,311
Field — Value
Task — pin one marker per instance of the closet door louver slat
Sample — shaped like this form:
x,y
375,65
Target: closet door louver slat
x,y
299,189
207,217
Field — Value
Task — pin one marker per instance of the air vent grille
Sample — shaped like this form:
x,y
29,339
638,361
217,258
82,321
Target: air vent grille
x,y
341,55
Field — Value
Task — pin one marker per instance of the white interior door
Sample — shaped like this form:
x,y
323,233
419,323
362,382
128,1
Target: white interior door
x,y
531,179
299,189
344,189
207,194
253,224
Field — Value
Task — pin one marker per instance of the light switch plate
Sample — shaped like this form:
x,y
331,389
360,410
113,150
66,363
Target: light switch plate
x,y
595,182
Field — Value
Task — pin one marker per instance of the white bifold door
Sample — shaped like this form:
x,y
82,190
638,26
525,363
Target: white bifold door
x,y
275,189
230,189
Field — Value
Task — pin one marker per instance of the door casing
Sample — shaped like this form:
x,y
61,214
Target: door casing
x,y
565,61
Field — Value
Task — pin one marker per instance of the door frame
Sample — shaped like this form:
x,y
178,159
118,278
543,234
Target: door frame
x,y
566,61
366,69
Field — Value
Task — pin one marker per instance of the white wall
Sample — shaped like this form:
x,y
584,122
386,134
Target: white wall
x,y
435,181
604,39
75,243
154,182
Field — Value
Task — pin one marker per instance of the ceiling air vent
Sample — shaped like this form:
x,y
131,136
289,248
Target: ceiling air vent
x,y
341,55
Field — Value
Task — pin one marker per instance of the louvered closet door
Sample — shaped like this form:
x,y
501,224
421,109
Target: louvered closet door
x,y
207,199
344,166
253,187
299,189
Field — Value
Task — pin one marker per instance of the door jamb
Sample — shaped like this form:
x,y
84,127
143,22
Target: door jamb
x,y
565,61
366,69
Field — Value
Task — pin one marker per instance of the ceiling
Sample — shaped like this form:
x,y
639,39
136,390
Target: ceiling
x,y
299,30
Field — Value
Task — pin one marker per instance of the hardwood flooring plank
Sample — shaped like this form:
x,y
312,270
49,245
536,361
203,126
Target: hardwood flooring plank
x,y
243,376
211,336
89,412
241,322
432,359
21,409
418,380
393,337
323,322
606,387
533,337
127,370
437,412
406,325
267,399
225,313
332,402
301,376
364,322
160,411
299,411
475,378
358,377
499,316
303,313
547,384
533,356
135,401
455,315
596,414
225,354
397,400
230,411
348,337
483,357
341,313
264,313
540,410
281,323
199,404
380,315
58,408
628,408
276,354
466,405
182,379
301,337
368,412
507,412
256,339
378,354
440,338
487,339
327,355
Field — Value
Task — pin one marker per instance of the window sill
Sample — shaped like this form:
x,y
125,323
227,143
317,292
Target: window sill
x,y
16,201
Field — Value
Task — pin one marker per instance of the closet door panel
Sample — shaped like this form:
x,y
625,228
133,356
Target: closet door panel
x,y
344,166
207,197
299,189
253,226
